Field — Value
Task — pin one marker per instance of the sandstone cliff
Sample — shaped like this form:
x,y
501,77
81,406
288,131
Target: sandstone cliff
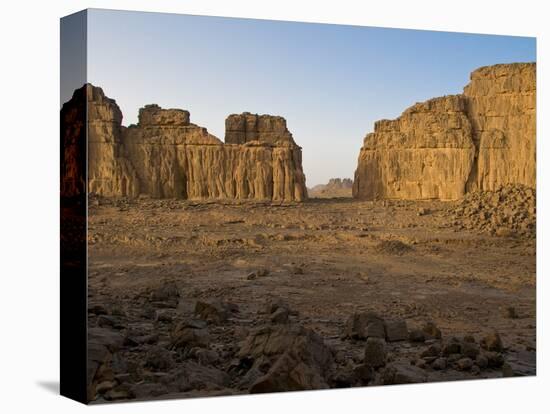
x,y
445,147
165,155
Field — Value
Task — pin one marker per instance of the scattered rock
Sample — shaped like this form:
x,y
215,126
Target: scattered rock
x,y
298,356
494,359
190,334
510,312
365,325
431,330
416,335
193,376
159,359
393,247
451,347
492,342
280,315
97,309
364,373
439,364
432,351
508,211
396,331
482,361
507,370
168,292
213,311
375,352
470,350
402,373
423,211
464,364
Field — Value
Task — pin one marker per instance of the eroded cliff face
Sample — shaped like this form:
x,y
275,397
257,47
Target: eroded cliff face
x,y
110,173
502,109
445,147
166,156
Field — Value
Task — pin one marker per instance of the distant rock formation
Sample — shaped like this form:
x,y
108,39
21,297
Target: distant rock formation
x,y
166,156
448,146
336,187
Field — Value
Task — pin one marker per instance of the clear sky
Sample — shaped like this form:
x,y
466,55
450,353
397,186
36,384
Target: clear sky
x,y
331,82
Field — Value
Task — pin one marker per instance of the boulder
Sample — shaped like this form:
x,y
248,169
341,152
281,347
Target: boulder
x,y
188,334
297,358
492,342
396,330
364,325
375,352
402,373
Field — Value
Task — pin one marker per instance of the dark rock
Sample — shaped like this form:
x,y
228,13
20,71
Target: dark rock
x,y
396,331
211,311
364,373
148,390
159,359
280,315
451,347
492,342
365,325
482,361
185,335
120,392
193,376
206,356
464,364
375,352
510,312
297,358
470,350
106,321
402,373
165,315
97,309
166,293
431,330
416,335
105,386
432,351
439,364
494,359
507,370
469,339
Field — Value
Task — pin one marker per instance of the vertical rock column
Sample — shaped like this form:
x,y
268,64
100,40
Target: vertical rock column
x,y
502,109
109,171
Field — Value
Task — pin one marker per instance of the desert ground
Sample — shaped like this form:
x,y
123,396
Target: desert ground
x,y
181,293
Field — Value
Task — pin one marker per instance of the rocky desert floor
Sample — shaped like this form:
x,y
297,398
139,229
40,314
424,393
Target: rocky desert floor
x,y
202,299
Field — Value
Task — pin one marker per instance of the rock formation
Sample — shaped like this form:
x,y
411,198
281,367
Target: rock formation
x,y
166,156
445,147
336,187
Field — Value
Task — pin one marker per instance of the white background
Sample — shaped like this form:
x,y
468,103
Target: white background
x,y
29,171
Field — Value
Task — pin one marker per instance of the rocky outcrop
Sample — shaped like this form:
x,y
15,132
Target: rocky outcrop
x,y
167,156
336,187
502,109
110,173
73,145
445,147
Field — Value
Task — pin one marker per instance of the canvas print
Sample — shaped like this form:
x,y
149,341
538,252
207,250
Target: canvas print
x,y
255,206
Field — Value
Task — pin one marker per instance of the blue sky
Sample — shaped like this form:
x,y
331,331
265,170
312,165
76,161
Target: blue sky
x,y
331,82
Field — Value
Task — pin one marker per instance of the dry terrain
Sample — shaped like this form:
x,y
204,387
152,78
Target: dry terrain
x,y
181,294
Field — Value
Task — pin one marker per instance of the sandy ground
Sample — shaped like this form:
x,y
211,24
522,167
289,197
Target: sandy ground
x,y
326,259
